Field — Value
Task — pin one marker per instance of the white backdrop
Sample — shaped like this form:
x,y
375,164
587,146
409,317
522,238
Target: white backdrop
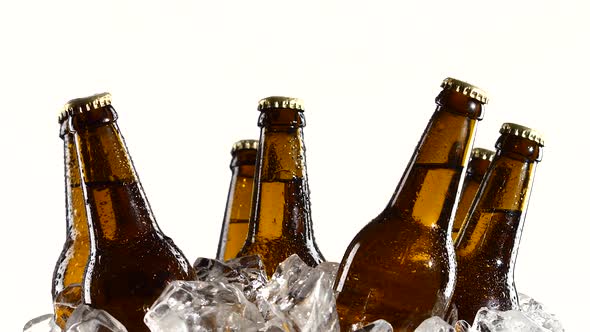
x,y
186,78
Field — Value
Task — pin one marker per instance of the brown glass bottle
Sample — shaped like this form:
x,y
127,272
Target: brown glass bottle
x,y
280,224
488,241
476,169
131,260
239,200
69,268
401,266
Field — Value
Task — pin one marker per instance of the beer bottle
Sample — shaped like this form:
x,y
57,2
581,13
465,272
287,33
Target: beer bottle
x,y
280,223
69,269
401,266
131,260
239,200
476,169
487,244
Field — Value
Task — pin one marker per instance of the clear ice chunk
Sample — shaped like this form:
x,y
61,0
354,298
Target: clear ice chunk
x,y
88,319
246,273
299,298
195,306
379,325
531,317
490,320
434,324
330,269
535,311
43,323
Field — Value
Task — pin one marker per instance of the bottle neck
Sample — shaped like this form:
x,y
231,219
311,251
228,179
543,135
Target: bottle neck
x,y
76,221
494,226
243,167
238,207
243,162
428,190
117,206
476,170
473,178
281,194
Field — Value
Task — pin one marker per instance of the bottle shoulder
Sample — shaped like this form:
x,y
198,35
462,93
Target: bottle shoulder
x,y
390,239
149,252
274,251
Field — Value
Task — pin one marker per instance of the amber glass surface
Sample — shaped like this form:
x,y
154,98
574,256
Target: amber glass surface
x,y
488,241
131,260
281,218
401,266
69,269
476,170
239,202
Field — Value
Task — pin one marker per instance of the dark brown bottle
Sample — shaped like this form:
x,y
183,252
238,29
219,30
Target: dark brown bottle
x,y
239,199
280,224
401,266
131,260
488,242
69,268
476,169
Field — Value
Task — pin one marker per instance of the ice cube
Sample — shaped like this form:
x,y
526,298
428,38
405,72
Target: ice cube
x,y
299,297
203,306
88,319
330,269
490,320
535,311
379,325
43,323
246,273
434,324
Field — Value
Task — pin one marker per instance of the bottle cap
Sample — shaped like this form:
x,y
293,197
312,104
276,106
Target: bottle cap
x,y
278,102
522,131
80,105
481,153
63,115
466,89
245,144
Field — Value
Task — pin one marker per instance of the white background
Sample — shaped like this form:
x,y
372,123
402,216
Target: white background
x,y
186,78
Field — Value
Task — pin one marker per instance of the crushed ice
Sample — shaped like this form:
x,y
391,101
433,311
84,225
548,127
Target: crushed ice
x,y
237,296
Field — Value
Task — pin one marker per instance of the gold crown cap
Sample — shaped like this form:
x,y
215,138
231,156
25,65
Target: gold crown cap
x,y
465,88
80,105
279,102
522,131
481,153
245,144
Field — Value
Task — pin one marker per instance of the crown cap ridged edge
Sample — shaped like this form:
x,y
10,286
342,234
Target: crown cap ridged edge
x,y
483,154
245,144
280,102
465,88
522,131
79,105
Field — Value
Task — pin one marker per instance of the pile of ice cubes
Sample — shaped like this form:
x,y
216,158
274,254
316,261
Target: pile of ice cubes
x,y
238,296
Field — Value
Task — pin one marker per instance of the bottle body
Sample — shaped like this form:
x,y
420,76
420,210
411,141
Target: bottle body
x,y
488,242
239,200
401,266
281,216
476,169
131,260
69,268
128,268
